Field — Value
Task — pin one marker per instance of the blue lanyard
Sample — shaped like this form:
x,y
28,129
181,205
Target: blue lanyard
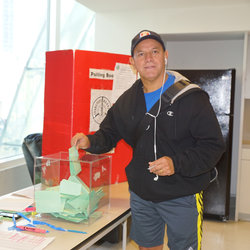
x,y
36,222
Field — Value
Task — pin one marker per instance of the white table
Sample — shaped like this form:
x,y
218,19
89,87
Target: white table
x,y
114,214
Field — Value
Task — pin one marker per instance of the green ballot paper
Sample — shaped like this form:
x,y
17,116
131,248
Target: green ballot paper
x,y
70,188
75,166
48,201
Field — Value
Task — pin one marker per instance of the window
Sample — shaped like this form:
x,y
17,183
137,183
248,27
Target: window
x,y
23,43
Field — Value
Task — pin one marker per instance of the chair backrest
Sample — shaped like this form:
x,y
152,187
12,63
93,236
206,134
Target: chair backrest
x,y
32,147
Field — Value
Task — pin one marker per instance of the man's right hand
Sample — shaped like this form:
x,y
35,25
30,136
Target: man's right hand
x,y
80,140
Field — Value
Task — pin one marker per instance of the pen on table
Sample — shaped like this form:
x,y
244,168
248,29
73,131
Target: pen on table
x,y
76,231
25,217
32,229
14,220
36,222
30,209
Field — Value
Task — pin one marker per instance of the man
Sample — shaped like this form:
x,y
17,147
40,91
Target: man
x,y
175,146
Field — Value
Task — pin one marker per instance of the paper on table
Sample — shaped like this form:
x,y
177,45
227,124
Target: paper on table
x,y
17,240
15,203
26,192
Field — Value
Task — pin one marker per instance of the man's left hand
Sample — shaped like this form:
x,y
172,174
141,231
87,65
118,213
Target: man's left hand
x,y
163,166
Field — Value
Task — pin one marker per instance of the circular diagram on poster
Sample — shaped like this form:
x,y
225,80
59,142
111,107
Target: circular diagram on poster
x,y
100,108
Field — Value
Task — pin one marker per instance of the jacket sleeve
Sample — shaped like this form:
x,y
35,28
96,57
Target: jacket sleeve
x,y
207,141
106,138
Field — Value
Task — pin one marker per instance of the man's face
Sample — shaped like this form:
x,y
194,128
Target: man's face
x,y
149,59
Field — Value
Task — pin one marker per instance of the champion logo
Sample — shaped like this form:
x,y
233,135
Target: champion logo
x,y
144,33
170,113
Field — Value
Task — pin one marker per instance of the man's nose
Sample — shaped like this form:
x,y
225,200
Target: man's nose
x,y
148,56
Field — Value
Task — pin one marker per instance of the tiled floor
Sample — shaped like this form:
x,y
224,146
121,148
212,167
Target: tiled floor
x,y
217,235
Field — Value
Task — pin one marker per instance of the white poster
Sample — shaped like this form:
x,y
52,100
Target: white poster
x,y
124,77
100,103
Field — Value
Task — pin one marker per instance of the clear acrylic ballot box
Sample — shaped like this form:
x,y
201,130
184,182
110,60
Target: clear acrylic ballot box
x,y
72,188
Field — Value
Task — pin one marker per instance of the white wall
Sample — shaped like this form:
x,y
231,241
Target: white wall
x,y
114,30
14,178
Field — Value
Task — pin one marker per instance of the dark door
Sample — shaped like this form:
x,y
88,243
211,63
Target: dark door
x,y
219,84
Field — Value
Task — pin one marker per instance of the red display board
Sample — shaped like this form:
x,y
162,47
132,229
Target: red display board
x,y
67,101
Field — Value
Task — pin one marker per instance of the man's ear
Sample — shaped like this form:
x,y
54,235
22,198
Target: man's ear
x,y
132,63
131,60
166,54
133,68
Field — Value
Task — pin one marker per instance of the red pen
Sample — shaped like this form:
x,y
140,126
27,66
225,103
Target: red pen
x,y
30,209
32,229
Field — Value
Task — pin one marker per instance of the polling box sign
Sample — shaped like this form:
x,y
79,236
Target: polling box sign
x,y
80,87
101,74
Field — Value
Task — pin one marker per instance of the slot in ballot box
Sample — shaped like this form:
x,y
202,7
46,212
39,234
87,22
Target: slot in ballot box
x,y
73,190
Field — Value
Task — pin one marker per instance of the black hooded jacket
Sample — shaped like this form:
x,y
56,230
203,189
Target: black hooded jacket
x,y
187,131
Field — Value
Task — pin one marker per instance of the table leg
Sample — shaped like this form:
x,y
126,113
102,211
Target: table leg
x,y
124,235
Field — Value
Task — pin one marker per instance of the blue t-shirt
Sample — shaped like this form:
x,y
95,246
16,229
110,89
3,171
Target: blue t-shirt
x,y
152,97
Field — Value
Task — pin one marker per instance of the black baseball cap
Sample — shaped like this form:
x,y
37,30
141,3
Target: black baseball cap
x,y
145,34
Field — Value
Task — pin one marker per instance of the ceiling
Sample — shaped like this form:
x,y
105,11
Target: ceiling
x,y
115,5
